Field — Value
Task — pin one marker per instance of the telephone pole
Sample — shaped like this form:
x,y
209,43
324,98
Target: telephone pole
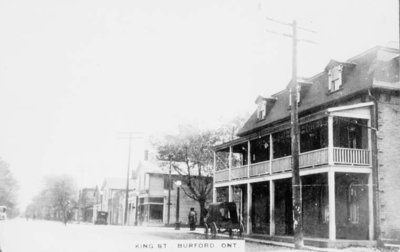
x,y
127,180
130,137
294,133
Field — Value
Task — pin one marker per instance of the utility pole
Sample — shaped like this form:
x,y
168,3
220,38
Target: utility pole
x,y
127,180
294,133
130,137
169,188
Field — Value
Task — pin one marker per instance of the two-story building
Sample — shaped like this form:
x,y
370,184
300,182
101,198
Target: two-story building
x,y
156,201
349,143
113,195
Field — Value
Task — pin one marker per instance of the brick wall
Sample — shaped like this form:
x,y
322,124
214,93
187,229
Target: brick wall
x,y
389,165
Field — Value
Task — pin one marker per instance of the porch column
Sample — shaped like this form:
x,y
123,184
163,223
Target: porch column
x,y
214,195
370,141
230,162
330,140
214,191
248,158
271,208
271,153
249,206
230,193
332,206
370,208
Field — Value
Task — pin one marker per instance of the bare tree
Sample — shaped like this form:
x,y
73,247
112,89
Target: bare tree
x,y
191,155
8,189
56,199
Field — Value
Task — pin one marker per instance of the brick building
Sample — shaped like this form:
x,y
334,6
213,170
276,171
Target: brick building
x,y
349,117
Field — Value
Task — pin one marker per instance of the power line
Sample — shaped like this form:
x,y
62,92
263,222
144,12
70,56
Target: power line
x,y
289,24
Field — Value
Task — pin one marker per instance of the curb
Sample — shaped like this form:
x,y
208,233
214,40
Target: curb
x,y
275,243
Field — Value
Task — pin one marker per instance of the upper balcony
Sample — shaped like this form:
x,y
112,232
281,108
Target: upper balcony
x,y
334,140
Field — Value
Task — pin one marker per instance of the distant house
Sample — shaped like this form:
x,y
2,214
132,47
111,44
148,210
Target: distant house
x,y
113,193
349,117
153,191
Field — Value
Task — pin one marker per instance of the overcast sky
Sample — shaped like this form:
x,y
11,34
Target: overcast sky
x,y
75,73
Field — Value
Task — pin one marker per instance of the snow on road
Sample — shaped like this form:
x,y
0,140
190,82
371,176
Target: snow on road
x,y
20,235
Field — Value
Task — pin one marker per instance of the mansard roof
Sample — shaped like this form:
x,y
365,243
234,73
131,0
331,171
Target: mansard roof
x,y
379,64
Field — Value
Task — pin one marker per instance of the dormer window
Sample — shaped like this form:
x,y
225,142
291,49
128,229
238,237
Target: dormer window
x,y
261,109
335,78
264,105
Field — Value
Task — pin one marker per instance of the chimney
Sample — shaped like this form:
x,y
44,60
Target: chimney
x,y
146,155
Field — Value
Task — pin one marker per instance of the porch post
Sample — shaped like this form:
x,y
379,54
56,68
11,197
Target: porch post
x,y
230,193
370,208
215,161
271,153
370,142
214,194
230,162
330,140
332,206
249,206
214,191
271,208
248,158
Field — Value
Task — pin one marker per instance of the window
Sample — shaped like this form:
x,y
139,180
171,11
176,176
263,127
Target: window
x,y
261,110
147,181
335,78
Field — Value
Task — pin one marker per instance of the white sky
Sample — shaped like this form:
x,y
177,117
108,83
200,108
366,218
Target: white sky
x,y
73,74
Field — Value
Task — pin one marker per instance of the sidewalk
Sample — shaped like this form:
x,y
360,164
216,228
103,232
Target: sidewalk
x,y
291,245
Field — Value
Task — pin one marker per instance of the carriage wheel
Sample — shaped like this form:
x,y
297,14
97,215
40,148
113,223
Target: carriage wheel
x,y
213,229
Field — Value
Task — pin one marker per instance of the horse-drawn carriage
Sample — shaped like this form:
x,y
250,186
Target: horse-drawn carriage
x,y
221,218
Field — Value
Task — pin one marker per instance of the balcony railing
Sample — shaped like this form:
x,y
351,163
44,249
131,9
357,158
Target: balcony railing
x,y
281,164
239,172
222,175
351,156
355,157
313,158
258,169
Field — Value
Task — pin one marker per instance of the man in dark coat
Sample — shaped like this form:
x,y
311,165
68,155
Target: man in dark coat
x,y
192,219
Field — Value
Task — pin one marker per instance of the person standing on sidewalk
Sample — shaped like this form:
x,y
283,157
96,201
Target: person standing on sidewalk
x,y
192,219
